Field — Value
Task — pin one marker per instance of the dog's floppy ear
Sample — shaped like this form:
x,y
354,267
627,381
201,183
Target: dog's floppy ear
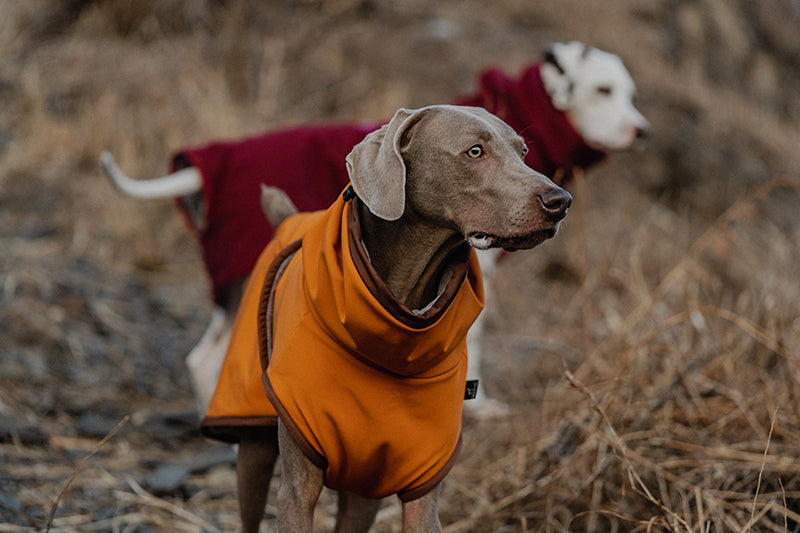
x,y
561,62
377,170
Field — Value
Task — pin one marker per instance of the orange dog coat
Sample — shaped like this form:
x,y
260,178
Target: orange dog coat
x,y
370,390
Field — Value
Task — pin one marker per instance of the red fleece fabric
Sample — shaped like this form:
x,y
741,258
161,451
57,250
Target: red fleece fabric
x,y
308,163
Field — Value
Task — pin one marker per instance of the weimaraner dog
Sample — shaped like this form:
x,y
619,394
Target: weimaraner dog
x,y
427,186
572,109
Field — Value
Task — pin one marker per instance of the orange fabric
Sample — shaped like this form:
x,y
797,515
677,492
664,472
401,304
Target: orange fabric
x,y
372,396
239,399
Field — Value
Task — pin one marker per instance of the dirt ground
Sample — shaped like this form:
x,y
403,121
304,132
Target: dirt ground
x,y
649,352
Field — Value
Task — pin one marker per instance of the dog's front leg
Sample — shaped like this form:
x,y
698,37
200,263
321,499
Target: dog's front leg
x,y
422,515
301,484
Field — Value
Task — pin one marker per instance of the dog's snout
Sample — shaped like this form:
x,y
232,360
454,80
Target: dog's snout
x,y
556,201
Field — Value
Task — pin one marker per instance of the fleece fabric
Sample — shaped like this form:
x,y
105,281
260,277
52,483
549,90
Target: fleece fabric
x,y
306,162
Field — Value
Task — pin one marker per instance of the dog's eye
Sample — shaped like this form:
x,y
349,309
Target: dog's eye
x,y
524,152
475,151
605,90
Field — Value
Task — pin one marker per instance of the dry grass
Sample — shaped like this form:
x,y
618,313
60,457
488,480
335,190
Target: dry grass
x,y
649,353
680,415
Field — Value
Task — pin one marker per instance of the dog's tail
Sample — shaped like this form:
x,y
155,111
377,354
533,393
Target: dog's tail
x,y
181,183
276,204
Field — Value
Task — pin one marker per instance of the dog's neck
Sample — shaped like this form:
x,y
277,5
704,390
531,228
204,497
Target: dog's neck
x,y
412,257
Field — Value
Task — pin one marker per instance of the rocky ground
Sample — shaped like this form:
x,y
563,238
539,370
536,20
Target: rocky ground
x,y
649,353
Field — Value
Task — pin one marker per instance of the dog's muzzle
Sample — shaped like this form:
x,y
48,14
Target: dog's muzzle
x,y
553,202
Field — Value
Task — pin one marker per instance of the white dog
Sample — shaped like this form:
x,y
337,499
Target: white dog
x,y
571,109
596,92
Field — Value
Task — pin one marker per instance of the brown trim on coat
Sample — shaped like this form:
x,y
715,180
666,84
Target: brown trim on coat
x,y
381,292
313,455
264,316
233,428
422,490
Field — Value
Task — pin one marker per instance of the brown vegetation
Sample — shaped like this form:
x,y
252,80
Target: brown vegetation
x,y
650,352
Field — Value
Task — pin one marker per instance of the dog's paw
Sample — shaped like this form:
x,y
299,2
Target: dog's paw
x,y
486,409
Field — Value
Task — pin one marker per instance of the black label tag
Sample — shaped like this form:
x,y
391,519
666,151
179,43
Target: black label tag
x,y
472,389
349,193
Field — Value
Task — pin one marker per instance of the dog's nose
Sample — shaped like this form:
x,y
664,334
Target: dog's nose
x,y
556,201
642,132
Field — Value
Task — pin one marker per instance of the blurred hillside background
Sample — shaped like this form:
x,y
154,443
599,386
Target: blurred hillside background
x,y
649,353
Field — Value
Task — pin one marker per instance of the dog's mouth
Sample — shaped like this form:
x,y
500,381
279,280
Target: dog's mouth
x,y
634,138
484,241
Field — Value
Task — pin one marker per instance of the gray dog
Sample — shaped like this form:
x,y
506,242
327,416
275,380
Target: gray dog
x,y
354,321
